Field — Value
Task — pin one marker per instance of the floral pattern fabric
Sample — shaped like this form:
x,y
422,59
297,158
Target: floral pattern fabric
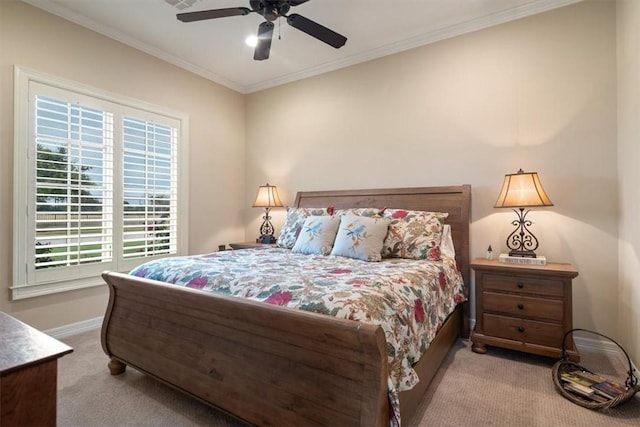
x,y
413,234
370,212
360,237
409,299
317,235
293,224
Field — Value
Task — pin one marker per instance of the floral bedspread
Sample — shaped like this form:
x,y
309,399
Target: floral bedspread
x,y
409,299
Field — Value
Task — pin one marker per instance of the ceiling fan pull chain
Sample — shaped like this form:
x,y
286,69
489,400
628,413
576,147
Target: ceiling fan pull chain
x,y
279,26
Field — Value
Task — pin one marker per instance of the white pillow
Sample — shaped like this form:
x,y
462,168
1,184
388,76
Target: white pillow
x,y
446,245
317,235
360,237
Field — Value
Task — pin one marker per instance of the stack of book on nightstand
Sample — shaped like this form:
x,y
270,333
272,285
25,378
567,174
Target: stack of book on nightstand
x,y
591,386
508,259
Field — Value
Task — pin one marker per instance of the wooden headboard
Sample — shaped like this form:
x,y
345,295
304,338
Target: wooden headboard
x,y
456,200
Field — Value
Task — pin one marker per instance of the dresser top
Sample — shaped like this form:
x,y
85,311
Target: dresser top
x,y
21,345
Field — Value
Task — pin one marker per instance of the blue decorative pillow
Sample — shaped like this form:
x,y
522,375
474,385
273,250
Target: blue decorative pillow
x,y
317,235
360,237
293,225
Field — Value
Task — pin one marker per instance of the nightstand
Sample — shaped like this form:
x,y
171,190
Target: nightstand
x,y
523,307
250,245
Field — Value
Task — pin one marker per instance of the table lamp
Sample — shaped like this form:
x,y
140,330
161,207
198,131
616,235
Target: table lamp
x,y
519,191
267,198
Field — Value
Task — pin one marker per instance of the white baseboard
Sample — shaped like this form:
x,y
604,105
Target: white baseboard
x,y
605,346
596,345
75,328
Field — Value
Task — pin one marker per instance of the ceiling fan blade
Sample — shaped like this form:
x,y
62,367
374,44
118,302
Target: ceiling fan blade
x,y
265,34
316,30
211,14
296,2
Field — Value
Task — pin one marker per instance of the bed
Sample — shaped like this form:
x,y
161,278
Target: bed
x,y
270,365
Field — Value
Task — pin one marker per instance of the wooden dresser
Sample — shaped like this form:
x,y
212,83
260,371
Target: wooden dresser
x,y
28,374
523,307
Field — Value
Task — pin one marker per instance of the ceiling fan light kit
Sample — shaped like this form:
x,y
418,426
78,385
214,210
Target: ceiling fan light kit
x,y
271,10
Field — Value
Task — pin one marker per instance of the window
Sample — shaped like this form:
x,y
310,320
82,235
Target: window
x,y
97,184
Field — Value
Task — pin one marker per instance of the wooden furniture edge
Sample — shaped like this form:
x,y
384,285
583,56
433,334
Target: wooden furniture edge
x,y
28,374
347,341
38,346
549,269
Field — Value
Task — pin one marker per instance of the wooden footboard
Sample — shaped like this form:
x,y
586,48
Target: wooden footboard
x,y
265,364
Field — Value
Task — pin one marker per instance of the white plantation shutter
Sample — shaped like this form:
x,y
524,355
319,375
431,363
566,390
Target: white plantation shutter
x,y
74,174
97,184
150,190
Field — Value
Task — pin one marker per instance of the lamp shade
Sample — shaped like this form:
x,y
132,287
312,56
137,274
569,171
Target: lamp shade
x,y
267,197
522,190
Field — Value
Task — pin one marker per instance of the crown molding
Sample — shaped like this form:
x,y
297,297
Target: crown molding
x,y
531,8
110,32
535,7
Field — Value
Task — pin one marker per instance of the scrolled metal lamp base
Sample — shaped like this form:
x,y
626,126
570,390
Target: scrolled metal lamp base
x,y
266,229
521,241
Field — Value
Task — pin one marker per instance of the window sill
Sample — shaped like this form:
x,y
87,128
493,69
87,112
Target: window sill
x,y
30,291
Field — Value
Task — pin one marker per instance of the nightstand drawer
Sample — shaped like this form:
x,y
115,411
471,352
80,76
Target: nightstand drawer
x,y
522,306
523,284
529,331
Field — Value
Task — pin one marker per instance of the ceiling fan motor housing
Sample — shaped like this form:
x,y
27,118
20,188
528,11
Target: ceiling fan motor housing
x,y
270,9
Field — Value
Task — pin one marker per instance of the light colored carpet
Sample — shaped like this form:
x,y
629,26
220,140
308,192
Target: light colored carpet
x,y
501,388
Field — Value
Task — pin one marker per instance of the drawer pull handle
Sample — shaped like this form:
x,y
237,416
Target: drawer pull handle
x,y
520,285
521,306
520,329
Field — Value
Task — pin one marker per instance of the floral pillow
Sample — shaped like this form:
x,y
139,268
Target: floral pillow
x,y
317,235
360,237
370,212
446,245
414,234
293,224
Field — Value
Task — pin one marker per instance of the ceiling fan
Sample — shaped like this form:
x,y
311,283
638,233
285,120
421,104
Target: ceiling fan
x,y
271,10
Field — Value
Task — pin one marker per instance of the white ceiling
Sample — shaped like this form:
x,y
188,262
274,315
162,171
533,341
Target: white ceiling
x,y
216,49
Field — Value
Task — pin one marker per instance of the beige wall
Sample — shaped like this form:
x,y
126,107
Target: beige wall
x,y
628,17
38,40
538,93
